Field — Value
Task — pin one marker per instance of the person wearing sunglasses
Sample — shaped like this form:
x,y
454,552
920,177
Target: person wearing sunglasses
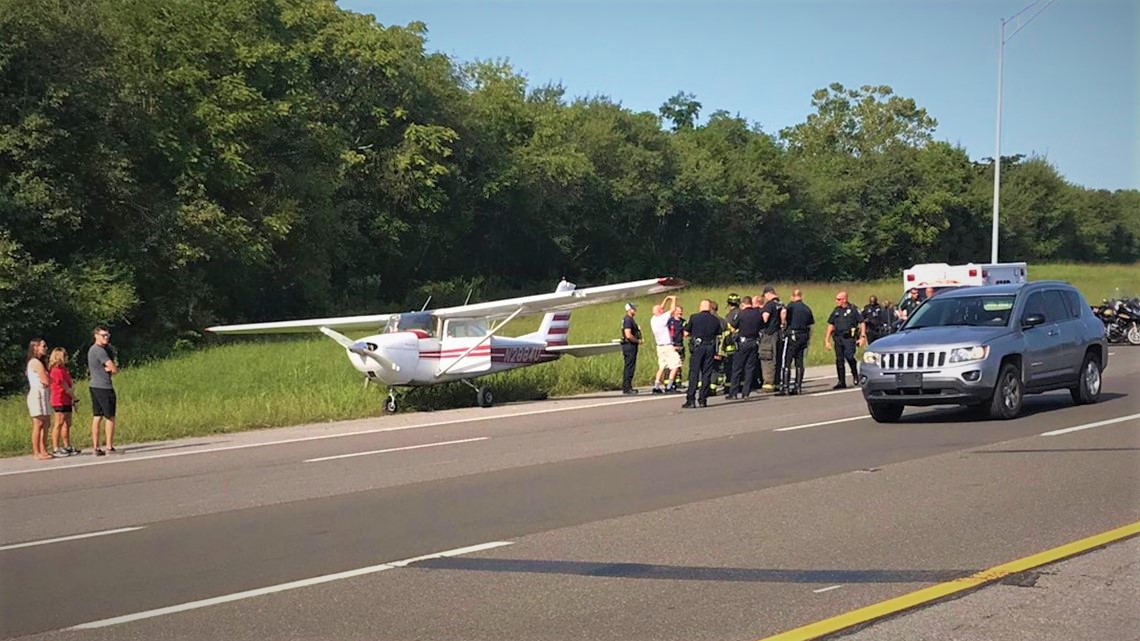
x,y
846,326
102,368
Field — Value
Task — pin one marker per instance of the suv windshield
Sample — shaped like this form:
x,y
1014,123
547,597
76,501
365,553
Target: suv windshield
x,y
976,311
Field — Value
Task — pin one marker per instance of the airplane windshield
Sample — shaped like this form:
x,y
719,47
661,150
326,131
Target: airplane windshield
x,y
423,321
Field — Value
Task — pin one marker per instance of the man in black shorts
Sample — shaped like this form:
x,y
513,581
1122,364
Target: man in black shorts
x,y
102,368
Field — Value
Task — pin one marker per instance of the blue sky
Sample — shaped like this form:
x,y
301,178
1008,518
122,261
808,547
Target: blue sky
x,y
1071,75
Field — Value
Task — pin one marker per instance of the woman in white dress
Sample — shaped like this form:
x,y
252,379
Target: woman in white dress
x,y
39,406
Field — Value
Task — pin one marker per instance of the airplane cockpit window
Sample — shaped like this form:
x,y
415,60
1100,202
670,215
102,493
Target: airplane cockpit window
x,y
423,321
463,328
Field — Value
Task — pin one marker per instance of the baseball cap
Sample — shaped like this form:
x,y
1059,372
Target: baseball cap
x,y
629,306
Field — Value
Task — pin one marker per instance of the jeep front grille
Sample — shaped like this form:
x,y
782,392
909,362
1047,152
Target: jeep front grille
x,y
913,360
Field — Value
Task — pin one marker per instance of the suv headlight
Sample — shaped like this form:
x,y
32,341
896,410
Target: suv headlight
x,y
871,358
967,354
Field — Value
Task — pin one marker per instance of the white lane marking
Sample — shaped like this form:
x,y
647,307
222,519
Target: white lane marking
x,y
1089,426
396,449
838,391
822,590
305,439
75,537
377,430
292,585
821,423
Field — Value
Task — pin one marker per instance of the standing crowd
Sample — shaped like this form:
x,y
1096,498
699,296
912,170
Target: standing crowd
x,y
52,392
760,344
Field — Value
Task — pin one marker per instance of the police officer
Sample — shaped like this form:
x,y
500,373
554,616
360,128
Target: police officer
x,y
846,325
909,304
630,339
875,320
797,320
770,338
748,324
719,375
703,329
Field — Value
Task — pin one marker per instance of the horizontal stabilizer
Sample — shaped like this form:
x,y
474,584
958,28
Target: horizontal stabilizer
x,y
594,349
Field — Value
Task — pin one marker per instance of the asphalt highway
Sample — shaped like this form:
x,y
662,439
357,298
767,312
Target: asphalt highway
x,y
589,518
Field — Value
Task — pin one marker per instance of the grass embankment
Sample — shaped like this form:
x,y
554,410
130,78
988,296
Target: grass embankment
x,y
242,384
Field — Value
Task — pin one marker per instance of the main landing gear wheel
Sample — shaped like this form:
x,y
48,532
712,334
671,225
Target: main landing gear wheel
x,y
485,397
390,405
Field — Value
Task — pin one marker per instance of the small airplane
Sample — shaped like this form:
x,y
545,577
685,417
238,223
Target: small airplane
x,y
429,347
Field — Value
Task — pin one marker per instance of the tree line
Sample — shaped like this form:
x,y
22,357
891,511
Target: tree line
x,y
170,164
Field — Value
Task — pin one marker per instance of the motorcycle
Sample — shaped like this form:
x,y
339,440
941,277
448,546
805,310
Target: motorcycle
x,y
1121,320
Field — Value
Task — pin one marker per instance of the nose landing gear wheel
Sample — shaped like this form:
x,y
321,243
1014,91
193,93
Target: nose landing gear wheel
x,y
390,405
485,397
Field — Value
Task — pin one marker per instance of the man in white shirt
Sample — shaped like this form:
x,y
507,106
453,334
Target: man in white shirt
x,y
667,356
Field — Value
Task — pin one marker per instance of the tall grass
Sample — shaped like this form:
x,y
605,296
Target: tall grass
x,y
244,384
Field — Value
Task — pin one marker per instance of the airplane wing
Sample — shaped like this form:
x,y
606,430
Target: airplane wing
x,y
562,301
374,323
491,310
585,350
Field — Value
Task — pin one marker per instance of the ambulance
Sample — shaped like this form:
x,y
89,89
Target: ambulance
x,y
944,276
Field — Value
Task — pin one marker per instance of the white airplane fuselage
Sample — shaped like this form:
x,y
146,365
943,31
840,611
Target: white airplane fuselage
x,y
422,357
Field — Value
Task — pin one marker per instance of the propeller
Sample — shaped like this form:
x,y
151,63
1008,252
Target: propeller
x,y
360,349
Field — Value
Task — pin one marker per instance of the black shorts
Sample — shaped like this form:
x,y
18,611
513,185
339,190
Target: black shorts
x,y
103,402
61,409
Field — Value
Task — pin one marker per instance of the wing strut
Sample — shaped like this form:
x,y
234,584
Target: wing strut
x,y
481,341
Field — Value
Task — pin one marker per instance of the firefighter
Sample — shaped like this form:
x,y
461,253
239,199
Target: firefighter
x,y
770,338
729,342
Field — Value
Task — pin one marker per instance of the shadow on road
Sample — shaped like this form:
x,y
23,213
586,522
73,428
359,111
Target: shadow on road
x,y
1033,405
690,573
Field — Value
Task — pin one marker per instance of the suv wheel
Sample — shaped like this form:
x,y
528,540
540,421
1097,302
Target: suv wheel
x,y
885,412
1087,390
1008,394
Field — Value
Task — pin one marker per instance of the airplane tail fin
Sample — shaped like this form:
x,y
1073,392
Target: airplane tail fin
x,y
555,326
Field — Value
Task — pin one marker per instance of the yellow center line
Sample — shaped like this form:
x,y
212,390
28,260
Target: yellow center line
x,y
935,592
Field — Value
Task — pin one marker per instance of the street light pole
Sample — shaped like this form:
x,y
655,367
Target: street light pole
x,y
997,146
1002,39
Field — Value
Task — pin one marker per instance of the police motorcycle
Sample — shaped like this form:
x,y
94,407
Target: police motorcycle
x,y
1121,320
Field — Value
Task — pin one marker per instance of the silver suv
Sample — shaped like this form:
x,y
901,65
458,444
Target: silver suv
x,y
987,347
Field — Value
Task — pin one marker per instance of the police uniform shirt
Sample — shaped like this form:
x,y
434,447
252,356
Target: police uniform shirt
x,y
627,322
909,304
704,327
748,322
874,316
677,331
800,318
845,319
772,308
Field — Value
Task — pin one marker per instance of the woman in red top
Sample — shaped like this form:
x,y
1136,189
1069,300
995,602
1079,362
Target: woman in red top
x,y
62,400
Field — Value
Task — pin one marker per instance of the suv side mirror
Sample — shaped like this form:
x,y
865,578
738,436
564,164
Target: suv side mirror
x,y
1032,320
